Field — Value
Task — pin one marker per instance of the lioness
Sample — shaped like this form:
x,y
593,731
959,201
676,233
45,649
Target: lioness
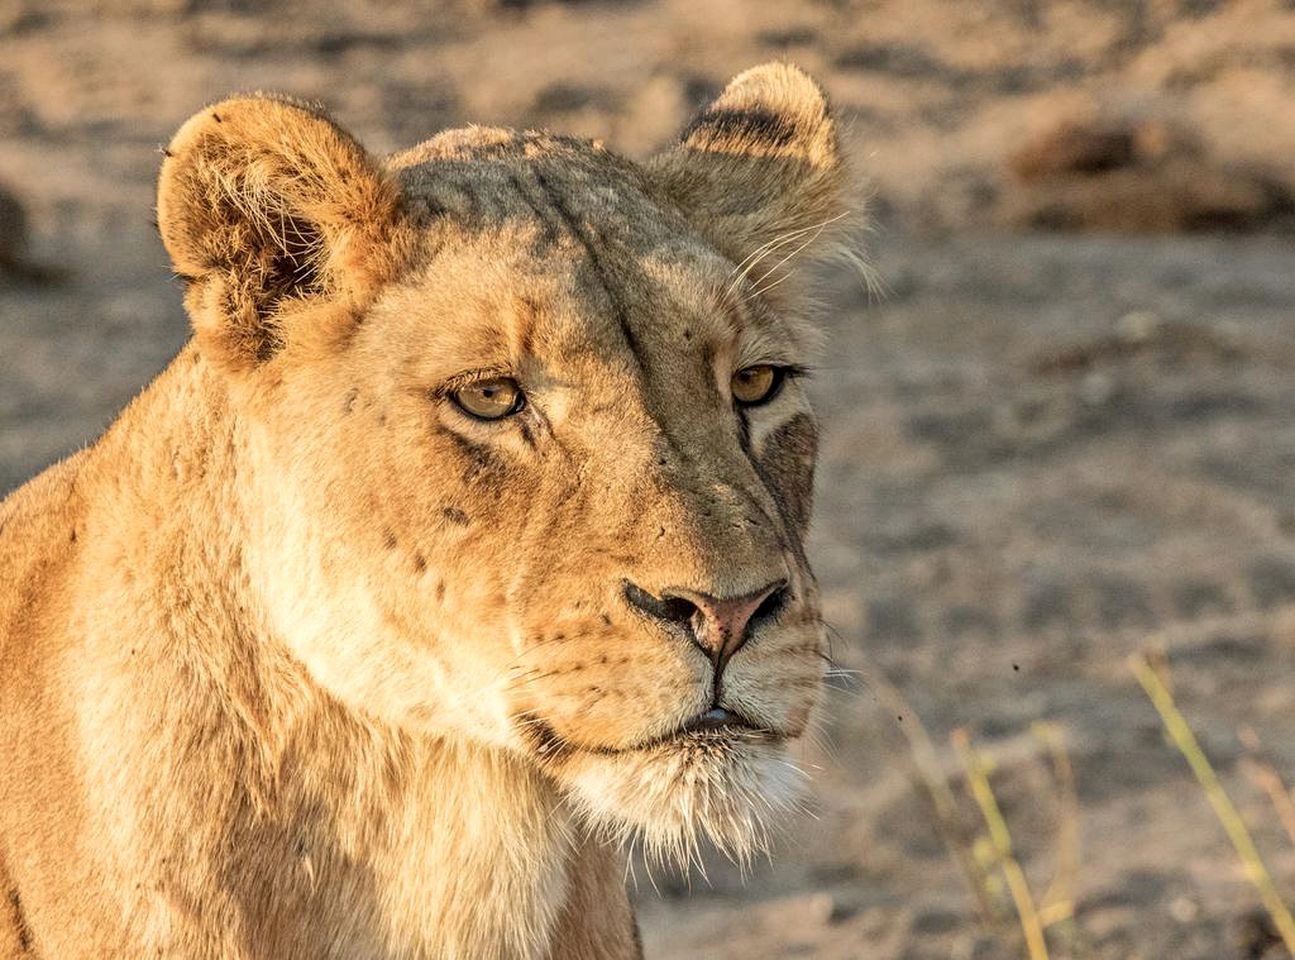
x,y
462,544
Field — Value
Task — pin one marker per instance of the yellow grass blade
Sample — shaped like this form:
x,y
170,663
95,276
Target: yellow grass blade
x,y
1181,733
1001,838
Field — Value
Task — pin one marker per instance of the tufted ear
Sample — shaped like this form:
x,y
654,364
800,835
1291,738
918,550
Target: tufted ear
x,y
263,204
761,165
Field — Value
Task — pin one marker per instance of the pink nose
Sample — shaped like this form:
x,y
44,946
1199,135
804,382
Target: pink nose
x,y
719,625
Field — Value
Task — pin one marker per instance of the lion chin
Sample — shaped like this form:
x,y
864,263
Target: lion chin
x,y
666,798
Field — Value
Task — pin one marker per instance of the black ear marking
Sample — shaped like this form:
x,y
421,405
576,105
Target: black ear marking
x,y
739,130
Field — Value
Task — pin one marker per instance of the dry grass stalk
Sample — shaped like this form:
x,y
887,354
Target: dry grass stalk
x,y
1265,776
1268,780
1001,837
1058,902
1181,733
929,776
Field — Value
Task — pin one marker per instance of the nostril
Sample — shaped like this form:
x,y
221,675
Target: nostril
x,y
669,608
770,607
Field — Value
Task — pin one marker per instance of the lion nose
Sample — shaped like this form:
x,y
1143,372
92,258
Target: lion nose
x,y
718,625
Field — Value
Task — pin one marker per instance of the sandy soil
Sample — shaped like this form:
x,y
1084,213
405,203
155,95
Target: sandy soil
x,y
1042,452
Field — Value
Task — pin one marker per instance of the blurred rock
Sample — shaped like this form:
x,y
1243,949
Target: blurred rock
x,y
1074,148
15,262
1134,176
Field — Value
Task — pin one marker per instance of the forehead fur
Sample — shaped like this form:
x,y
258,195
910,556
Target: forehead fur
x,y
483,177
548,238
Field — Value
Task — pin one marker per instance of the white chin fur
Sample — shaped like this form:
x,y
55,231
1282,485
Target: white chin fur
x,y
668,797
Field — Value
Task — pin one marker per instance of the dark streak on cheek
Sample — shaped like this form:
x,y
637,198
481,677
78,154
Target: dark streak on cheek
x,y
744,433
787,464
526,432
480,458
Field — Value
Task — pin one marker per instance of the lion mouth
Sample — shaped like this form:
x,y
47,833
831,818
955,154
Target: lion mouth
x,y
717,718
717,727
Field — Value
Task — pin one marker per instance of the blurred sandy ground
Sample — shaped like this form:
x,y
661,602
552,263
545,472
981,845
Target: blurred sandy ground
x,y
1065,428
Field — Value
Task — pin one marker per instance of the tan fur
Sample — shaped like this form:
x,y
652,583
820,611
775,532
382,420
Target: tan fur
x,y
298,661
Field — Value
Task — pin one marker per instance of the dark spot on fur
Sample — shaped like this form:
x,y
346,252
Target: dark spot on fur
x,y
19,920
215,116
389,538
420,562
544,740
687,334
72,536
456,516
738,128
607,620
348,401
382,419
167,153
440,591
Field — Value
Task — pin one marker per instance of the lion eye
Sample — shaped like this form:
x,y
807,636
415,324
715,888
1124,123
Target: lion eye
x,y
490,399
759,384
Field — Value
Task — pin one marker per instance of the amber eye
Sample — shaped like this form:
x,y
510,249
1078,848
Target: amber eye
x,y
490,399
759,384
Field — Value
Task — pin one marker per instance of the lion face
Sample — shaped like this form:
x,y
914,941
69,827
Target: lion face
x,y
530,459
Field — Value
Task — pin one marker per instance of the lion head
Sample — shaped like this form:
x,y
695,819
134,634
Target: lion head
x,y
526,451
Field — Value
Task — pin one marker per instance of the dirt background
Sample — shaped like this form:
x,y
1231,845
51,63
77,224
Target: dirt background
x,y
1065,430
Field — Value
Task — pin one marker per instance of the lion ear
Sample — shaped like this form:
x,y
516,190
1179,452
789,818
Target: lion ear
x,y
760,164
263,203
